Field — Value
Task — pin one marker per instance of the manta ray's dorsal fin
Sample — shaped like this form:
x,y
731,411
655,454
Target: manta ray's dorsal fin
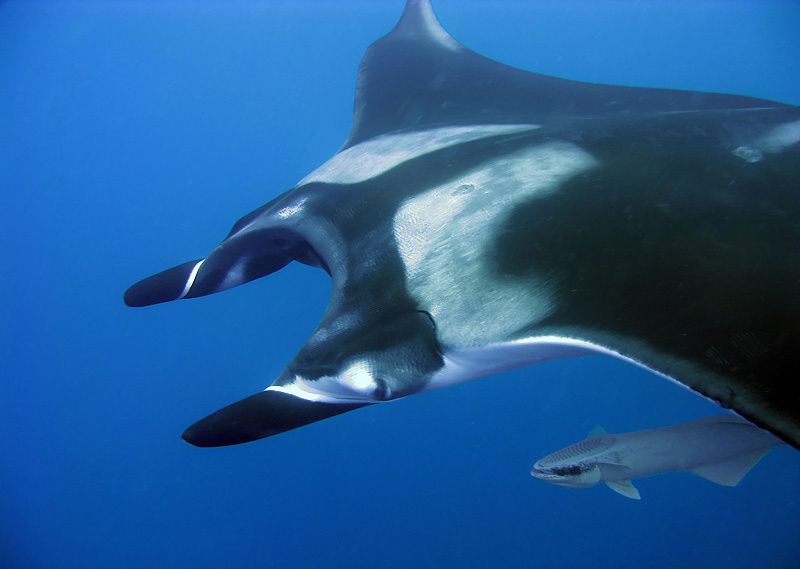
x,y
419,23
418,77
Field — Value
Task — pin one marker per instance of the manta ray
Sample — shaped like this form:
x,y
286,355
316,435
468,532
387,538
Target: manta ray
x,y
480,218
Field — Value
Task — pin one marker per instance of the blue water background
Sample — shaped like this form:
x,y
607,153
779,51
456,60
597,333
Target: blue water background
x,y
132,135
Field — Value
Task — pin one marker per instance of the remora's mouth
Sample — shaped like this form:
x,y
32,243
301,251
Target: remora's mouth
x,y
546,475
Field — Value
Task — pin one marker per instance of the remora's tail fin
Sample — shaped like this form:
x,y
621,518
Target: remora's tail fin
x,y
625,488
730,472
262,415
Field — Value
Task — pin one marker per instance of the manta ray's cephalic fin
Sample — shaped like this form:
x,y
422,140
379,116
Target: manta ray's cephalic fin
x,y
258,416
243,256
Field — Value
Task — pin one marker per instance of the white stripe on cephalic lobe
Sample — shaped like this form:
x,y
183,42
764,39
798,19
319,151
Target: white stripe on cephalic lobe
x,y
190,280
373,157
295,390
354,383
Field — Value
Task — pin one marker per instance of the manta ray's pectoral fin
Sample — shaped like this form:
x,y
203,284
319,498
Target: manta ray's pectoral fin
x,y
730,472
261,415
625,488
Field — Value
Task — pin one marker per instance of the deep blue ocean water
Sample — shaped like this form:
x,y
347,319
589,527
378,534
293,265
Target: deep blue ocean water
x,y
133,134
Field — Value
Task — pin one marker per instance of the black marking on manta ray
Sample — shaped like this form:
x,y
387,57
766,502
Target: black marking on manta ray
x,y
701,232
672,243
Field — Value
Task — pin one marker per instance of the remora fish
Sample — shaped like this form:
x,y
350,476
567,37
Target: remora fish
x,y
481,218
721,449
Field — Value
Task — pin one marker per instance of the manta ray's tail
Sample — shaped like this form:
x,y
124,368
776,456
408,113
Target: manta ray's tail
x,y
258,416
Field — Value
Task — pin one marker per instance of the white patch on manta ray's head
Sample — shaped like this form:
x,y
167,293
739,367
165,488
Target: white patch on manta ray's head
x,y
775,141
297,389
323,390
373,157
358,375
444,237
356,382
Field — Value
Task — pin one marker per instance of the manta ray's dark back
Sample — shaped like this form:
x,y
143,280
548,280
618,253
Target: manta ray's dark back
x,y
418,77
480,218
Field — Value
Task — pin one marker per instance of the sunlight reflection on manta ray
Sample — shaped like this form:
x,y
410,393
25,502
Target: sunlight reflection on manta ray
x,y
481,218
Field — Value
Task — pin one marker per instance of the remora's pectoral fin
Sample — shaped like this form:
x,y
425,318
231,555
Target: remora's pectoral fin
x,y
262,415
626,488
730,472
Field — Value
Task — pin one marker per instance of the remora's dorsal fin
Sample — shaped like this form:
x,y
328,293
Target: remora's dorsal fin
x,y
597,431
418,77
626,488
731,471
